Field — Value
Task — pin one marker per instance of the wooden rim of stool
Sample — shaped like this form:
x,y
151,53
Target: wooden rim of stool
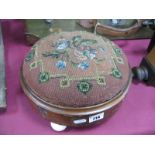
x,y
74,111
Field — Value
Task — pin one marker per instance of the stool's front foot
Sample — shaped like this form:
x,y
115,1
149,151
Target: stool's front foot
x,y
57,127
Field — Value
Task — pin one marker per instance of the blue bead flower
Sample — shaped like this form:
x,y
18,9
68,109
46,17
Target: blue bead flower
x,y
92,54
83,65
61,64
62,44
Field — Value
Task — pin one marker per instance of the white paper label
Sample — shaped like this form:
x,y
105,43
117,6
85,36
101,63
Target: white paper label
x,y
96,117
79,121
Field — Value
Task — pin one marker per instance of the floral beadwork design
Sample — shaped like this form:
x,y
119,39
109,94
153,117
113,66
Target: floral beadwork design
x,y
61,64
54,54
84,86
78,41
90,53
83,51
83,65
62,44
78,53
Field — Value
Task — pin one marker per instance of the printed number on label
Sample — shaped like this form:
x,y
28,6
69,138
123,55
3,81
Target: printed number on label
x,y
96,117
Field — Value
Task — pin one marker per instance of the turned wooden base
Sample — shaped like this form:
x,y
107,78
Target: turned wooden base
x,y
75,117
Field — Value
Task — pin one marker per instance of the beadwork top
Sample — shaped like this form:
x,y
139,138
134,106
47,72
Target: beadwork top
x,y
75,69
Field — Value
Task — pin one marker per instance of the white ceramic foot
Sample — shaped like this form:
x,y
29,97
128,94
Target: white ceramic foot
x,y
58,127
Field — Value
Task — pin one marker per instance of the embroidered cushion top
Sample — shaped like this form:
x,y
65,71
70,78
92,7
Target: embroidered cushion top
x,y
75,69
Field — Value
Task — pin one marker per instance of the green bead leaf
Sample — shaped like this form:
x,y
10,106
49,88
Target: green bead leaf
x,y
30,56
87,42
76,40
116,73
33,65
49,54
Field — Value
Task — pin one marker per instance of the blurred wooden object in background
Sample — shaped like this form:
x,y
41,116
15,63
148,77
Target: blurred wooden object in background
x,y
2,74
146,70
